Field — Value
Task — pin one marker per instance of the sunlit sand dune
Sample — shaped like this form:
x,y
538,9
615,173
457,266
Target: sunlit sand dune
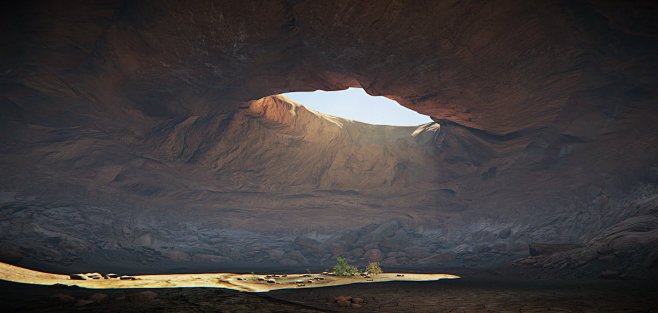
x,y
240,282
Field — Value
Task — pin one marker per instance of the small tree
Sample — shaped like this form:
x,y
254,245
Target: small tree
x,y
373,268
342,268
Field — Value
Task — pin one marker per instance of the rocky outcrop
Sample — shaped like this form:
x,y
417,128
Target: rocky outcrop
x,y
154,124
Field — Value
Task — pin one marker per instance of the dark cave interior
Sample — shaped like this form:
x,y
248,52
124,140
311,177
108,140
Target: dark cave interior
x,y
149,137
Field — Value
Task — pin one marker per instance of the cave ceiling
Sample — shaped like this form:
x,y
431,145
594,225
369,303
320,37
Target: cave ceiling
x,y
542,109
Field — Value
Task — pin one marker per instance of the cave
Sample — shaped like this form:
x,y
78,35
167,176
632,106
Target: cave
x,y
151,137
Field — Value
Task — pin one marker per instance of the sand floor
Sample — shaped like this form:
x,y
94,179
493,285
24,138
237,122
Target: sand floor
x,y
239,282
471,293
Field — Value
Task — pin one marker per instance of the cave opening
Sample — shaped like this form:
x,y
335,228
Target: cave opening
x,y
355,104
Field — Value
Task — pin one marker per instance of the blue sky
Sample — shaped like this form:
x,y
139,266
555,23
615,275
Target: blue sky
x,y
356,104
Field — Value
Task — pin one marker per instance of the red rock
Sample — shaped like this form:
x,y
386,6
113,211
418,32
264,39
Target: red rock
x,y
342,298
357,300
344,303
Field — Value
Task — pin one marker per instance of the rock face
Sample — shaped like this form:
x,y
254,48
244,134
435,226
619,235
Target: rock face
x,y
148,132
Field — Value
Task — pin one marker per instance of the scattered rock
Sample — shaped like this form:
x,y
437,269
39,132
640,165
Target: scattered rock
x,y
342,298
78,277
94,275
344,304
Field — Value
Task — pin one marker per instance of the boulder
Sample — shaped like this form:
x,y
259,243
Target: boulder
x,y
78,277
337,250
344,304
386,230
343,301
94,275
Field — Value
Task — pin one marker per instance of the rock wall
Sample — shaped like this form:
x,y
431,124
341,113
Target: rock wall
x,y
146,128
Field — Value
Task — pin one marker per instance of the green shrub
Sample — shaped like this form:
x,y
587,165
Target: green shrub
x,y
373,268
342,268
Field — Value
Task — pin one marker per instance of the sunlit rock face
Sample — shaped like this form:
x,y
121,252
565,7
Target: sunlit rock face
x,y
137,132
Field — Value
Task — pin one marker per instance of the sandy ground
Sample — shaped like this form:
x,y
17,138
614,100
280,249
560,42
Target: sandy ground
x,y
239,282
24,290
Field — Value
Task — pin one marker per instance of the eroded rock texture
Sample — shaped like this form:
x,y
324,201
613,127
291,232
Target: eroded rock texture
x,y
138,131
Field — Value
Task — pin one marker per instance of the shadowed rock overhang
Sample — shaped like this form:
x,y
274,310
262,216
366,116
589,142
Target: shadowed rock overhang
x,y
150,123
